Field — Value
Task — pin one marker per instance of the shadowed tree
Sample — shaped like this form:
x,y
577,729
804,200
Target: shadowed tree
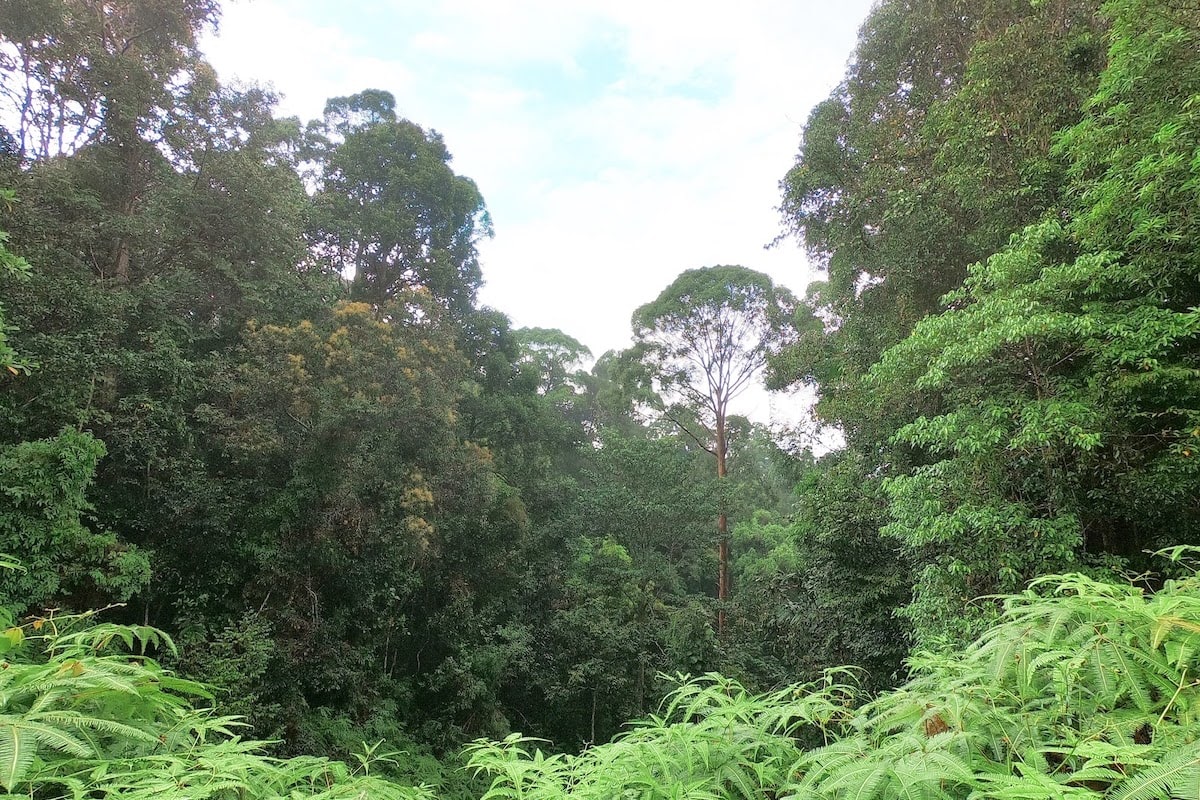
x,y
15,266
1064,409
108,75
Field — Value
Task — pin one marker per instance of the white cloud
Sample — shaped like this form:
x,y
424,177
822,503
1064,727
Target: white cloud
x,y
266,41
485,32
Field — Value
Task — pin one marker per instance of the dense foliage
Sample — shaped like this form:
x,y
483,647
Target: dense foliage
x,y
702,342
1083,689
248,396
249,392
87,713
1036,411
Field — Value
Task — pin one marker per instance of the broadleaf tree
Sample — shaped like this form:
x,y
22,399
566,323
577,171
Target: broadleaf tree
x,y
703,341
389,213
1061,380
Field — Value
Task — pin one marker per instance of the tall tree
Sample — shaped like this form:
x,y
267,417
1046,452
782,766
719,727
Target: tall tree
x,y
80,71
108,76
555,357
389,212
930,154
702,341
934,150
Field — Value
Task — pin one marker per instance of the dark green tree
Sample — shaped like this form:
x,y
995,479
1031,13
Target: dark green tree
x,y
13,267
624,590
65,559
930,154
389,214
936,148
1064,370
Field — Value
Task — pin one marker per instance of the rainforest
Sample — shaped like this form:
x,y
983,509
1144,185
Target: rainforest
x,y
287,512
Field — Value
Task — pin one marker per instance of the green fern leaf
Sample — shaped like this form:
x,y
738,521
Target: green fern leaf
x,y
860,781
80,722
1157,782
17,750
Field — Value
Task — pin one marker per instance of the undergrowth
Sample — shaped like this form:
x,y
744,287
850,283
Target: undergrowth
x,y
1084,689
86,713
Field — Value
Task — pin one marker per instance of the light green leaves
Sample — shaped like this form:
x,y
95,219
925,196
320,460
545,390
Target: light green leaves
x,y
17,748
1083,689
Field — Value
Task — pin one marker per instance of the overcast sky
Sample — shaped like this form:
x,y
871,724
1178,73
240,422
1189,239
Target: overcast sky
x,y
616,143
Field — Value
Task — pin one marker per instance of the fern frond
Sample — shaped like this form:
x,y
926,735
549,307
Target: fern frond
x,y
72,719
1160,780
17,750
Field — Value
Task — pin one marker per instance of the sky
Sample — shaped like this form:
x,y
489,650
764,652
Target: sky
x,y
617,143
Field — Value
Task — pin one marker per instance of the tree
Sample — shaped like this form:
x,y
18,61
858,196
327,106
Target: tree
x,y
938,145
44,524
361,500
389,212
139,363
73,72
108,76
1061,379
554,356
932,152
702,341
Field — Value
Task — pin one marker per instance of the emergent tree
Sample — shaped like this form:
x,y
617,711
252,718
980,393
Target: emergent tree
x,y
702,342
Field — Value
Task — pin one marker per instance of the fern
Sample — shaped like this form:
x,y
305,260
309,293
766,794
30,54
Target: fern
x,y
97,718
17,750
1083,689
1177,776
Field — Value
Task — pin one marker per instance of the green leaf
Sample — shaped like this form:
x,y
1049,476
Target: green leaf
x,y
18,746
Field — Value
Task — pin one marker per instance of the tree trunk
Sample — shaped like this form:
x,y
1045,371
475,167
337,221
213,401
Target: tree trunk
x,y
130,182
722,531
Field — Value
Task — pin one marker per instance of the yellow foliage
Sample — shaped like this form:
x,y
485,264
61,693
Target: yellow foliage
x,y
417,497
296,367
352,309
482,454
421,531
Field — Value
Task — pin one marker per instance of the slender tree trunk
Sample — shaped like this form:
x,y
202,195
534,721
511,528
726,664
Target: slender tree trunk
x,y
722,530
130,183
120,256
